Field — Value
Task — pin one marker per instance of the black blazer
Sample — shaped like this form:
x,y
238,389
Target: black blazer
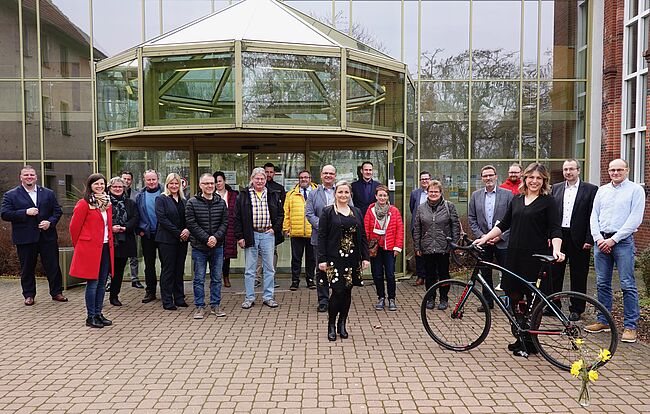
x,y
329,235
580,229
24,228
359,198
125,244
171,219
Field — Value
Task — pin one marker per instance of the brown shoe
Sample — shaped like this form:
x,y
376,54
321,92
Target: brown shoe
x,y
419,281
226,281
59,297
29,301
597,327
629,335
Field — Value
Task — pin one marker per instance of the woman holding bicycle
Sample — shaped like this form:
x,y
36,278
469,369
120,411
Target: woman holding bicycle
x,y
435,221
533,220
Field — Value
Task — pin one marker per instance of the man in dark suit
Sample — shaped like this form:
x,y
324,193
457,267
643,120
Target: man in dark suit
x,y
487,206
419,196
33,212
363,191
574,199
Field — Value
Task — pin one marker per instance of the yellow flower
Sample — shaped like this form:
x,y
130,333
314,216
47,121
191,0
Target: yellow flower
x,y
579,341
604,355
576,367
593,375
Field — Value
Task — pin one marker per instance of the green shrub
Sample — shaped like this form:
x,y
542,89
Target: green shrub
x,y
643,261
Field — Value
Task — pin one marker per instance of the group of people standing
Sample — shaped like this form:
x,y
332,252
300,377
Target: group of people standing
x,y
340,229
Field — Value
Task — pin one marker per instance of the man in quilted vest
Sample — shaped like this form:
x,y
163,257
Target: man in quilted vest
x,y
298,228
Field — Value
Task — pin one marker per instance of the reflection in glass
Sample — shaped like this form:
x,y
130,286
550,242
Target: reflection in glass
x,y
411,112
630,152
632,52
117,97
529,46
375,98
529,120
558,38
475,181
342,16
630,92
30,41
453,176
444,120
560,120
163,161
67,180
10,45
195,89
495,120
291,89
67,120
495,45
33,121
11,139
380,30
9,173
287,166
348,162
232,164
410,52
445,40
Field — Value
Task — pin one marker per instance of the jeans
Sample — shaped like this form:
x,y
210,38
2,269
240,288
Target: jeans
x,y
623,255
201,258
263,244
384,263
96,289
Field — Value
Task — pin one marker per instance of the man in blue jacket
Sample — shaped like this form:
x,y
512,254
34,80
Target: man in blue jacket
x,y
146,202
34,212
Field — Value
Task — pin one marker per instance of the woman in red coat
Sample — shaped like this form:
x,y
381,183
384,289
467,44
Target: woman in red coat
x,y
92,238
383,223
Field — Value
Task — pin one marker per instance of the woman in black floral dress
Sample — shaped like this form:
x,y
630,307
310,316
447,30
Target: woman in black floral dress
x,y
342,255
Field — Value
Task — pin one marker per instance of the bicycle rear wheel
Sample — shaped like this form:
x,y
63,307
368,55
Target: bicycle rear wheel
x,y
459,328
557,342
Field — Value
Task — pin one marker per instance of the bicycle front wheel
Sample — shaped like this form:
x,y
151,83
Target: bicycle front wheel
x,y
563,343
461,326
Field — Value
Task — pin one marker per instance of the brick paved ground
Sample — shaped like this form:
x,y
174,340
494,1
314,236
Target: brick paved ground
x,y
278,360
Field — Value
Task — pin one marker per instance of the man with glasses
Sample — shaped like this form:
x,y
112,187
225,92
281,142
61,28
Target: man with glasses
x,y
487,206
206,216
574,199
127,177
513,181
617,213
146,202
298,228
419,196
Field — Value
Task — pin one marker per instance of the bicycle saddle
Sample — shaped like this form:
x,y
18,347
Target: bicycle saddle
x,y
545,258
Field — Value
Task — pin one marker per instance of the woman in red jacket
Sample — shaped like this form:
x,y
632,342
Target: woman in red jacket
x,y
383,223
92,238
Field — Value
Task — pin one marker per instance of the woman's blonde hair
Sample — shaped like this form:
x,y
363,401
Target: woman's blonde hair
x,y
170,177
116,180
343,183
436,183
546,178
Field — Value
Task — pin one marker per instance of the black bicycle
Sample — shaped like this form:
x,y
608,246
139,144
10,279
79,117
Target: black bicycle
x,y
467,321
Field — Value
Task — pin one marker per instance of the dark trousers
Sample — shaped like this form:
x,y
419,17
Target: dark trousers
x,y
300,245
322,289
27,255
490,253
578,259
119,263
437,268
149,247
383,264
339,303
226,268
420,267
172,264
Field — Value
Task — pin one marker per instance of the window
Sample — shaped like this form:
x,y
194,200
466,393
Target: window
x,y
47,113
65,66
65,121
26,38
45,51
635,90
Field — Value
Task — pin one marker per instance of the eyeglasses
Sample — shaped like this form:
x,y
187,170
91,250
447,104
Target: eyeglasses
x,y
207,183
304,178
616,170
425,179
488,175
514,172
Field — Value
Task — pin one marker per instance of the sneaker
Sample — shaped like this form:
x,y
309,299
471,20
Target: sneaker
x,y
629,335
380,304
199,313
311,284
597,327
294,286
429,304
271,303
392,306
248,303
216,310
443,305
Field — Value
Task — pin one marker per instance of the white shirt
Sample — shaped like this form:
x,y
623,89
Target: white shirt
x,y
32,194
105,217
570,192
617,209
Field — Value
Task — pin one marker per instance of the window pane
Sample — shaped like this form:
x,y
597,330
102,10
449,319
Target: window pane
x,y
630,115
33,120
30,41
347,163
475,181
163,161
232,164
10,45
495,120
448,58
375,98
66,25
411,37
561,117
644,40
68,120
117,25
530,32
632,38
117,97
444,120
287,166
630,153
11,114
642,159
453,176
291,89
529,120
495,45
558,38
179,12
632,8
67,180
378,24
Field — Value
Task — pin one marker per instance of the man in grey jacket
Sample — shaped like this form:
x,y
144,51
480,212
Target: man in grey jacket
x,y
487,206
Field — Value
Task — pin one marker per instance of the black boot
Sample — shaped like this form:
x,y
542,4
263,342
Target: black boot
x,y
341,327
93,322
331,331
102,319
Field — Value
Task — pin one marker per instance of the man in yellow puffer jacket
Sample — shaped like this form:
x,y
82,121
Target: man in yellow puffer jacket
x,y
298,229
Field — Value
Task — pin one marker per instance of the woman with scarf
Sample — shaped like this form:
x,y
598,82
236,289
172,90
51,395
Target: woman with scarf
x,y
92,237
125,220
435,221
384,228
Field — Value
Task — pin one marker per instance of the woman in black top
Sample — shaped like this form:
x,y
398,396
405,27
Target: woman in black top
x,y
172,237
125,220
533,220
342,255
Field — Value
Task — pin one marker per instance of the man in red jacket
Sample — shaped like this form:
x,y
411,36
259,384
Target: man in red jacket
x,y
513,181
